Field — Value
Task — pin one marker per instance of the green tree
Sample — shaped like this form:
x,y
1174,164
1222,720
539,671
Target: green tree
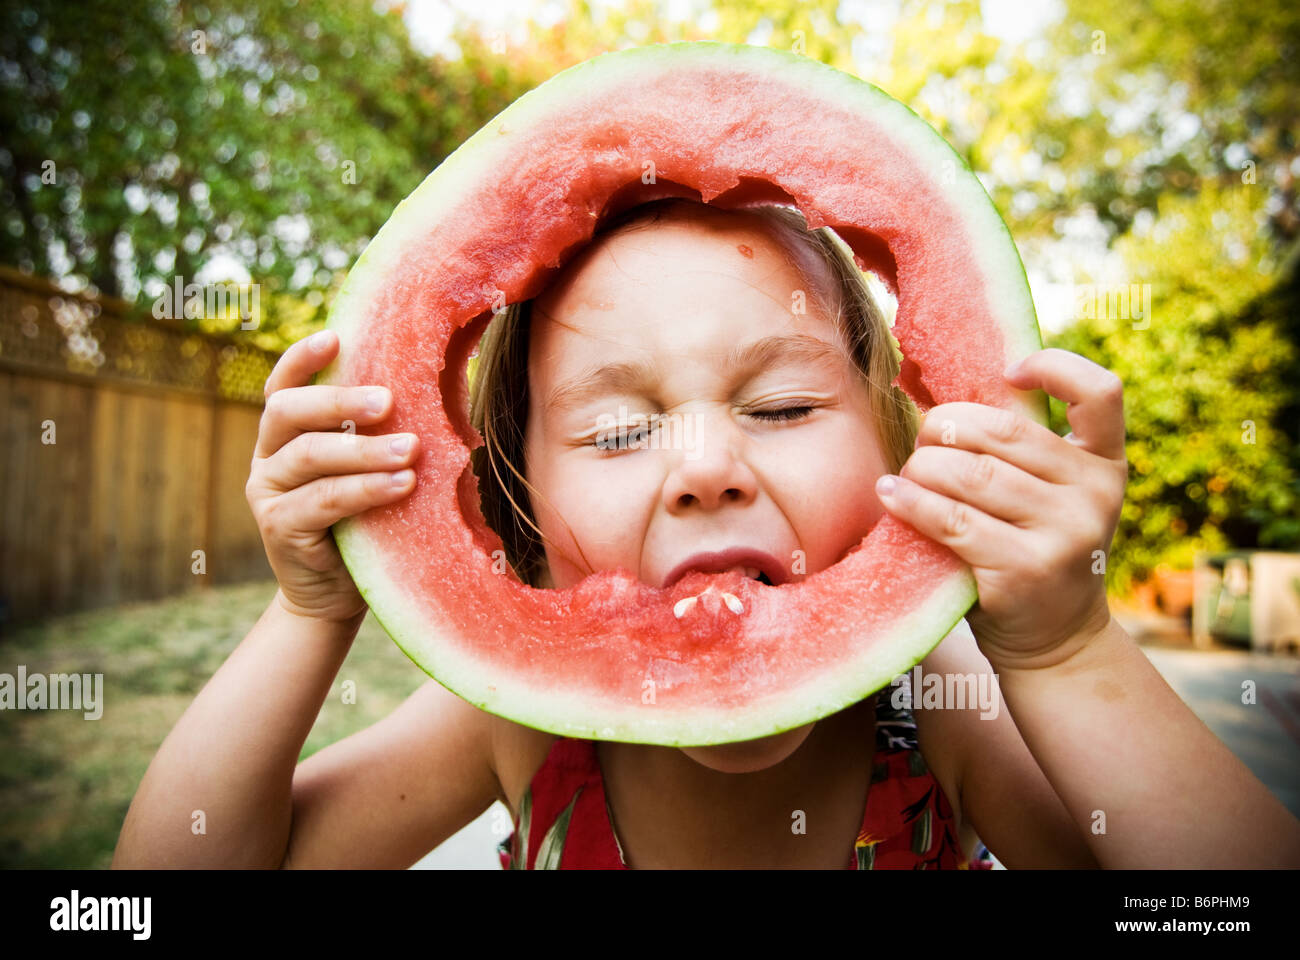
x,y
1209,384
142,138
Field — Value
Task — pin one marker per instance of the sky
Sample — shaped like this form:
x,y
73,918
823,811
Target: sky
x,y
431,21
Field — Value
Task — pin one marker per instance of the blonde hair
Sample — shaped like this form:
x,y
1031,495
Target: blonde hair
x,y
499,396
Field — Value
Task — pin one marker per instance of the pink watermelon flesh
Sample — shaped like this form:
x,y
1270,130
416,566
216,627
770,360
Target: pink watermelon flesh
x,y
728,125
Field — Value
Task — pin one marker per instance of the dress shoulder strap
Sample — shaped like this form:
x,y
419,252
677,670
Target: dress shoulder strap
x,y
908,822
563,820
895,724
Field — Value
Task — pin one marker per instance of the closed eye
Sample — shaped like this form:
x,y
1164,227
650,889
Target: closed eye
x,y
622,437
784,413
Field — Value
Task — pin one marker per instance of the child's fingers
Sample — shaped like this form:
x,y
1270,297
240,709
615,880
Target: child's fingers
x,y
1003,434
322,503
296,410
310,456
980,540
1094,395
304,358
984,481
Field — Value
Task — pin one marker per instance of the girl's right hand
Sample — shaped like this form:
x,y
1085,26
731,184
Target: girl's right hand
x,y
302,480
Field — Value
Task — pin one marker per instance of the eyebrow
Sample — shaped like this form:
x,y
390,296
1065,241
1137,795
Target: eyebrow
x,y
743,359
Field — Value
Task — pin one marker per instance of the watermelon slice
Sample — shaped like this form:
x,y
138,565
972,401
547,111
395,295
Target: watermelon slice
x,y
611,657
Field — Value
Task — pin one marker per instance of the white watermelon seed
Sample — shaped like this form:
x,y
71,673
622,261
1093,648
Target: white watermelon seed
x,y
683,605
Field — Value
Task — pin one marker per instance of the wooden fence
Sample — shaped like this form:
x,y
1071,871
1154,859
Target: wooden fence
x,y
126,449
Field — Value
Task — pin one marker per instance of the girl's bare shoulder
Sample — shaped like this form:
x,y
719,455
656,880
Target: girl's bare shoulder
x,y
388,794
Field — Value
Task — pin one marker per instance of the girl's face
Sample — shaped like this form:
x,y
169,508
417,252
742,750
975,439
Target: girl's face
x,y
695,318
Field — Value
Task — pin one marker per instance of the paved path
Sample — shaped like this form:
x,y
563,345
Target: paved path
x,y
1265,734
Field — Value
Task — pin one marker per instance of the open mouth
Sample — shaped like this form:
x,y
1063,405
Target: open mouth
x,y
752,564
754,573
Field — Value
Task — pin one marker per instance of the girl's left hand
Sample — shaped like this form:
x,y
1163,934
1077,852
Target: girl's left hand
x,y
1031,513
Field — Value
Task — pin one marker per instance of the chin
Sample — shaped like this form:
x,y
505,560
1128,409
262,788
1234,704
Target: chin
x,y
749,756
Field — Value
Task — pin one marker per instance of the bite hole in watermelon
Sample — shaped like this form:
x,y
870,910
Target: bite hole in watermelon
x,y
729,124
494,433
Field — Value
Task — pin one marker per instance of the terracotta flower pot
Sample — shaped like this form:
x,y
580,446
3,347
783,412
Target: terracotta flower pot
x,y
1143,597
1174,590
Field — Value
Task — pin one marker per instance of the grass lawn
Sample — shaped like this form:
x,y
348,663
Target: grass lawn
x,y
66,782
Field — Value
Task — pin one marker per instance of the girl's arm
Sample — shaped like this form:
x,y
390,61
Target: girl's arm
x,y
1033,514
222,790
381,798
384,797
218,792
998,786
1148,783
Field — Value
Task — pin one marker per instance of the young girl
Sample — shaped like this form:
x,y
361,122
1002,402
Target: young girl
x,y
680,308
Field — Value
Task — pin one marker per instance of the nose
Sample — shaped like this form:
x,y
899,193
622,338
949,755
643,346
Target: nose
x,y
710,471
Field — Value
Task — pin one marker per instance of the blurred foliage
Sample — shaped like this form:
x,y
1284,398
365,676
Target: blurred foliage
x,y
1186,151
1180,92
141,137
1210,380
1164,127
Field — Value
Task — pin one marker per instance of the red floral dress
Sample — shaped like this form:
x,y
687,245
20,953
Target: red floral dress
x,y
565,823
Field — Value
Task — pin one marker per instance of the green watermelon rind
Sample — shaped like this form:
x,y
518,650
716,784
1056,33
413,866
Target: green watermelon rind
x,y
889,655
